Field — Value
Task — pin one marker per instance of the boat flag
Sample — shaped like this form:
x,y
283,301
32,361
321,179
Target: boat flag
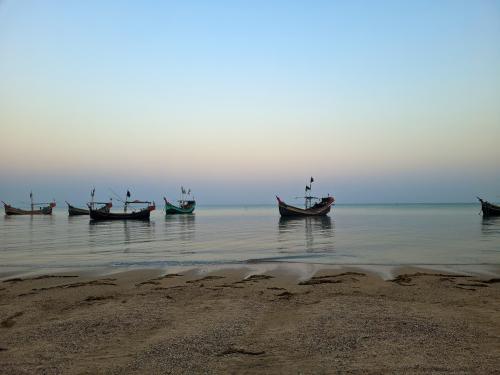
x,y
92,193
312,180
189,191
128,194
183,190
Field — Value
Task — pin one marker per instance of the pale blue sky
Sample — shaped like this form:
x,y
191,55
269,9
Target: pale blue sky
x,y
380,100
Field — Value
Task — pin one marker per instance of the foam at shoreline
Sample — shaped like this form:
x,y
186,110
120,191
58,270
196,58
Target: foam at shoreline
x,y
296,270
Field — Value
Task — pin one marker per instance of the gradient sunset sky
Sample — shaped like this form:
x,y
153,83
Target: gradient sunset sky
x,y
380,101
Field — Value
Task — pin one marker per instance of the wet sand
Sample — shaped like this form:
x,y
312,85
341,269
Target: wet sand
x,y
233,321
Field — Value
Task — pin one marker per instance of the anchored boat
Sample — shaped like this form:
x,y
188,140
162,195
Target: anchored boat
x,y
313,206
36,208
140,214
76,211
186,205
488,208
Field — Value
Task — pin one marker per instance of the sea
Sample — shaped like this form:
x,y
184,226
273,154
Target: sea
x,y
441,236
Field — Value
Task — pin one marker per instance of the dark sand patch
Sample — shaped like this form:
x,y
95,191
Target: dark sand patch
x,y
241,351
332,278
206,278
42,277
10,321
100,282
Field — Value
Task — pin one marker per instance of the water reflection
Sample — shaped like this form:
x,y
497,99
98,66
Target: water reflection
x,y
120,232
490,225
316,233
181,227
323,223
359,234
37,223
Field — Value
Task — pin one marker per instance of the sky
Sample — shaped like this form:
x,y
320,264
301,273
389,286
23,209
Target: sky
x,y
380,101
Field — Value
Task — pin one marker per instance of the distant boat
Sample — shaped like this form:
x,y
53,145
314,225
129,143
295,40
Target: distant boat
x,y
36,208
186,205
489,209
314,206
141,214
76,211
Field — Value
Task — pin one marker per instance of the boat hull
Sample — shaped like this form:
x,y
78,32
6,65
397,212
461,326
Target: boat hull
x,y
9,210
319,209
137,215
75,211
489,209
170,209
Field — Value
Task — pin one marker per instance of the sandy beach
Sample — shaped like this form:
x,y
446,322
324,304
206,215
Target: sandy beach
x,y
233,321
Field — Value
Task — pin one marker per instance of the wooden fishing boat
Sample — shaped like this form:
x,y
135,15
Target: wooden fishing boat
x,y
141,214
186,205
314,206
46,210
76,211
318,209
488,208
36,208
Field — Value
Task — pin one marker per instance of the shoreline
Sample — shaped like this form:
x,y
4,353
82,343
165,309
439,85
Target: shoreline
x,y
302,270
237,320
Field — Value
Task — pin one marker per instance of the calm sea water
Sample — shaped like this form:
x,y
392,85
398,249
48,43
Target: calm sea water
x,y
351,235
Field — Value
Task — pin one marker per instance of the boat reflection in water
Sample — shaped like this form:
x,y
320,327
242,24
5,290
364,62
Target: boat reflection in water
x,y
181,227
316,234
123,234
490,225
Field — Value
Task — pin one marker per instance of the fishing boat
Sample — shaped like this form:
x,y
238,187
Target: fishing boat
x,y
36,208
488,208
313,206
186,205
76,211
140,214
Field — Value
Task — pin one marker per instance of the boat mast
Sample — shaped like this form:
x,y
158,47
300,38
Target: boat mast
x,y
31,198
126,201
308,194
92,193
183,192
